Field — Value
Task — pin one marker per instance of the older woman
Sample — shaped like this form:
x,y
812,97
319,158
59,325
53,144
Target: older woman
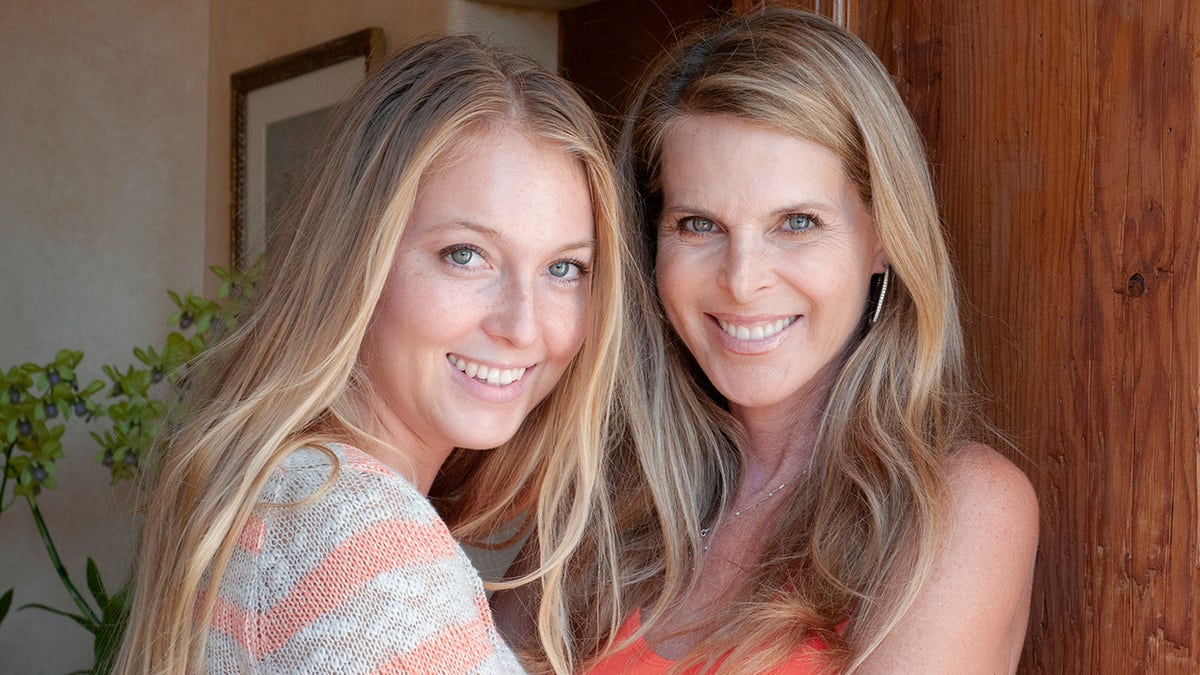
x,y
850,523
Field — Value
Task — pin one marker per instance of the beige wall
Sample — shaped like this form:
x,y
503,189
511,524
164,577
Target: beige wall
x,y
102,153
114,187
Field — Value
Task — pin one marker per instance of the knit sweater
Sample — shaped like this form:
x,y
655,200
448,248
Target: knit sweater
x,y
359,577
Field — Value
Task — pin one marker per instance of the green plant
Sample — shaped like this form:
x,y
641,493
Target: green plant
x,y
38,401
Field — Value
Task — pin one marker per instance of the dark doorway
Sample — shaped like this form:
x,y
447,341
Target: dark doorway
x,y
604,46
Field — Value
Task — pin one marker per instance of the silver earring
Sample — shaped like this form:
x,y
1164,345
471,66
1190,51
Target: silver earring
x,y
887,274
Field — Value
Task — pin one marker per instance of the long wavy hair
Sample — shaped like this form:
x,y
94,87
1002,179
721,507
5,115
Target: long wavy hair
x,y
289,375
856,541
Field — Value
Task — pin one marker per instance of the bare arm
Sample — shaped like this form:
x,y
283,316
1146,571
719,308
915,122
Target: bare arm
x,y
971,614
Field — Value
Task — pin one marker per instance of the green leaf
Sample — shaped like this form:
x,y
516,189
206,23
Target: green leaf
x,y
204,323
112,627
5,603
82,621
96,583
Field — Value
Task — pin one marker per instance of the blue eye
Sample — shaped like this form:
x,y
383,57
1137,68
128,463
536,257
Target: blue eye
x,y
697,224
462,256
567,270
799,222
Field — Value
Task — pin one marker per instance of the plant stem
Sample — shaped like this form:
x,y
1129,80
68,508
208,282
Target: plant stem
x,y
4,474
84,608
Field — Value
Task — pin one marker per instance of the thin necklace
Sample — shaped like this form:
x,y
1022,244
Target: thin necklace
x,y
704,530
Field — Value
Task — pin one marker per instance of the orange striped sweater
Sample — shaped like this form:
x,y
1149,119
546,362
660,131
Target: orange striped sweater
x,y
364,578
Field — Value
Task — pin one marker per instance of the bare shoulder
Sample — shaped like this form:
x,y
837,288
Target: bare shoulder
x,y
989,494
971,612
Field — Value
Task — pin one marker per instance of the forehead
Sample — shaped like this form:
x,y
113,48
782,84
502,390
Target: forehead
x,y
708,157
506,180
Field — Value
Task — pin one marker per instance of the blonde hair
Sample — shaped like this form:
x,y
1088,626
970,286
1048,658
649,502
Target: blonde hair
x,y
857,539
289,375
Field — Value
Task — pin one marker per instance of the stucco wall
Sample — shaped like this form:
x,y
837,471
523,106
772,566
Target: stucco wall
x,y
102,154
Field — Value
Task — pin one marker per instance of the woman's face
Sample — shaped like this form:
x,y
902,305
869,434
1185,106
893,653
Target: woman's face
x,y
487,300
765,253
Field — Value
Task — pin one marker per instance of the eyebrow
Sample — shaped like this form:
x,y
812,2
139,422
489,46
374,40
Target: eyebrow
x,y
497,235
818,205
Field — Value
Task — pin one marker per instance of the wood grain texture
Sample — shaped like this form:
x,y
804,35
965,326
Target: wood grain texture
x,y
1063,137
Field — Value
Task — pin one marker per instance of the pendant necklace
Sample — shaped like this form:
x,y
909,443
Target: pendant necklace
x,y
705,530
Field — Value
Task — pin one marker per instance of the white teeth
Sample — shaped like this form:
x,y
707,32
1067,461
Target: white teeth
x,y
496,377
758,332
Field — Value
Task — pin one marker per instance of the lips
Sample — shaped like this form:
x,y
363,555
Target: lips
x,y
495,376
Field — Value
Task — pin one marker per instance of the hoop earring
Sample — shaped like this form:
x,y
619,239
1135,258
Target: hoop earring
x,y
887,274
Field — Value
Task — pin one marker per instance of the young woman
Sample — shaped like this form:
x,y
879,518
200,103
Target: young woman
x,y
848,522
452,284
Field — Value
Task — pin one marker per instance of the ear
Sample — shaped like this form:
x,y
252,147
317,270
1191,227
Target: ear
x,y
880,257
881,261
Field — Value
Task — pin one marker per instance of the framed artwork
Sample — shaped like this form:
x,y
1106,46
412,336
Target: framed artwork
x,y
279,109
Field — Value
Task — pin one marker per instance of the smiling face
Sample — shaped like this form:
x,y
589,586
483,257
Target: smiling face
x,y
487,300
765,253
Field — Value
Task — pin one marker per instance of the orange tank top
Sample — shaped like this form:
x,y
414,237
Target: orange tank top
x,y
639,659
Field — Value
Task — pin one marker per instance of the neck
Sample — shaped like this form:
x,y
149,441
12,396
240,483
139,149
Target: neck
x,y
420,466
398,447
779,440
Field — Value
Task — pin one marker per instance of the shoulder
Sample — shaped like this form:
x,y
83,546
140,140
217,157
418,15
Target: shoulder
x,y
970,614
341,514
340,473
339,498
990,497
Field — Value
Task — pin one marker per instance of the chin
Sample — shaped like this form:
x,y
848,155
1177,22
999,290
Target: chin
x,y
485,441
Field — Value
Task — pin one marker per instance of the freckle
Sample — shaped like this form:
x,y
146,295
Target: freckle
x,y
1136,286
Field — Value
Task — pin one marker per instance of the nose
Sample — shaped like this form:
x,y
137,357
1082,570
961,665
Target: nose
x,y
514,315
746,268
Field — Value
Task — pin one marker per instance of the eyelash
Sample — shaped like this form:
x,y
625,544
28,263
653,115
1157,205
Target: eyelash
x,y
451,250
583,267
584,271
814,222
682,226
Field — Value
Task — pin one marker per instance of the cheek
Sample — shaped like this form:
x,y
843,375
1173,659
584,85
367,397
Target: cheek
x,y
565,321
673,280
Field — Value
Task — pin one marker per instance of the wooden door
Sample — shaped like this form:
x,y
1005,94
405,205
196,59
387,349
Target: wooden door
x,y
1063,137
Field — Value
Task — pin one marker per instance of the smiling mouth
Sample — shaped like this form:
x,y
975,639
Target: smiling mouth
x,y
489,375
758,331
